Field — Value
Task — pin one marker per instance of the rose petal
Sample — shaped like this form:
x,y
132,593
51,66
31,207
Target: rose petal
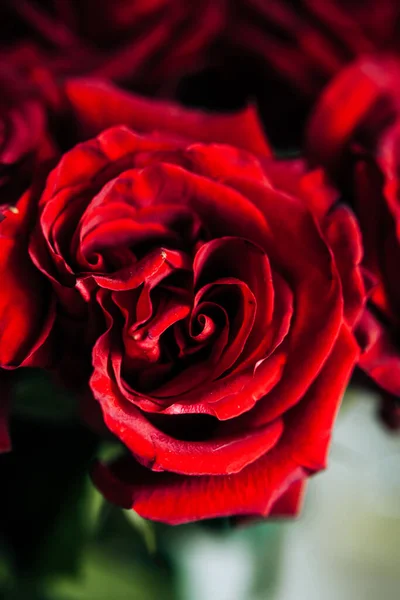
x,y
159,451
98,105
309,269
358,88
344,237
287,505
173,498
26,313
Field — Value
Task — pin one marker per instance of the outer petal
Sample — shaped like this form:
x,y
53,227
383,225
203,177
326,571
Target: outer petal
x,y
344,238
97,105
174,499
347,101
295,178
26,312
287,505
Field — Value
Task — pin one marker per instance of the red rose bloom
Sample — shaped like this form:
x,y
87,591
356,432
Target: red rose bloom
x,y
361,147
306,42
142,42
219,288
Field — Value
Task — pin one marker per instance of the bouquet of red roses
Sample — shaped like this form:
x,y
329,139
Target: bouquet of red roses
x,y
199,244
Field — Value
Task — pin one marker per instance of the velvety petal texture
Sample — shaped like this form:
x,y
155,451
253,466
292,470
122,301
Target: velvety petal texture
x,y
212,288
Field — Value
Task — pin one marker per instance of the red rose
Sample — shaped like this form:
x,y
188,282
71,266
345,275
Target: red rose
x,y
22,131
361,147
219,287
141,42
306,42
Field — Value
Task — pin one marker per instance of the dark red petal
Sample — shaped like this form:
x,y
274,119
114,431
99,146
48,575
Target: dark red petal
x,y
309,268
191,380
295,178
222,209
143,344
227,453
230,396
344,238
98,105
344,104
251,270
154,267
27,309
